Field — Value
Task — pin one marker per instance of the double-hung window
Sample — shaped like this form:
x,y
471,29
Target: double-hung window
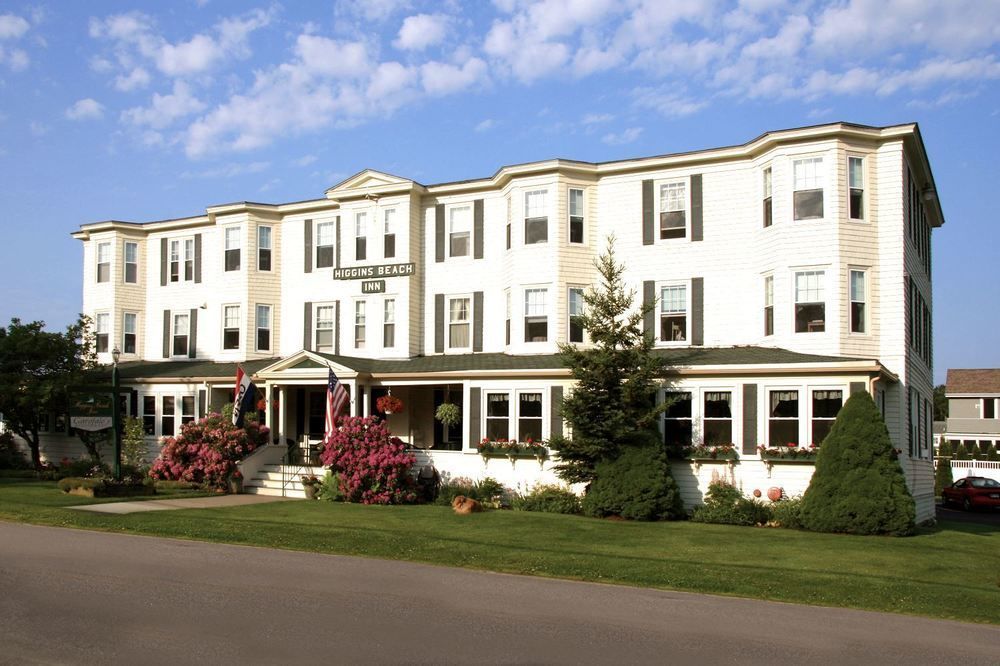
x,y
810,303
507,310
263,328
808,188
188,259
324,244
180,337
359,324
103,332
389,323
130,328
459,230
264,248
673,210
575,313
856,187
673,313
989,408
231,327
575,215
529,417
536,319
149,415
859,322
509,214
168,415
498,416
360,236
459,325
233,248
187,409
768,209
324,328
825,406
717,418
389,233
176,259
769,305
783,418
677,424
104,262
536,218
131,251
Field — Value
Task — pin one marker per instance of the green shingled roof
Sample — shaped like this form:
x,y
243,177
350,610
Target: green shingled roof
x,y
477,362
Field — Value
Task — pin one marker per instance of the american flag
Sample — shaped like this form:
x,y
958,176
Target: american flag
x,y
336,400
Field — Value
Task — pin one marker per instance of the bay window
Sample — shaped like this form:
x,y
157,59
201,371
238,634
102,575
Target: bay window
x,y
264,248
129,332
231,327
808,188
232,260
263,328
575,314
768,208
810,303
783,418
858,298
102,325
856,187
536,320
575,215
103,262
131,252
769,305
536,219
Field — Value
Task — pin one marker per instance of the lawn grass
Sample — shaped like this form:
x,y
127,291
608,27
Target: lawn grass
x,y
951,571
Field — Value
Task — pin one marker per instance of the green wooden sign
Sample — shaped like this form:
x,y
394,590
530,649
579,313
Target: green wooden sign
x,y
91,411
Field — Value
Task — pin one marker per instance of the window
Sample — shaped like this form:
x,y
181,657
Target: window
x,y
825,406
175,261
529,417
506,295
131,262
103,262
130,323
232,249
783,418
231,327
103,330
360,236
187,409
536,321
810,306
263,248
575,312
188,260
508,221
324,244
856,187
180,339
717,417
769,305
677,421
989,408
389,323
458,323
359,324
673,313
497,416
263,328
768,210
389,234
575,216
149,415
673,210
459,230
857,286
536,220
808,194
167,417
324,328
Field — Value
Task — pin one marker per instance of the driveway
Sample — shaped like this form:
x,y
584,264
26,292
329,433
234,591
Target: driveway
x,y
72,596
981,517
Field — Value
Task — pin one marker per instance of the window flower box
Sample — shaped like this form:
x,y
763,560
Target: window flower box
x,y
719,452
790,454
512,449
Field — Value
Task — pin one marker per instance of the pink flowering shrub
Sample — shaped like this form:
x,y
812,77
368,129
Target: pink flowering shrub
x,y
207,450
373,466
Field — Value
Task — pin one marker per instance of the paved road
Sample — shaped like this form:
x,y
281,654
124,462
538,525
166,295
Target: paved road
x,y
983,517
70,596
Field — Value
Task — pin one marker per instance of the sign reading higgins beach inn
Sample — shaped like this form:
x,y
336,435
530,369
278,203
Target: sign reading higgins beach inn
x,y
373,272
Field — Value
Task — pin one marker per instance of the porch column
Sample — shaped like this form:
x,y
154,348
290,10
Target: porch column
x,y
268,411
282,410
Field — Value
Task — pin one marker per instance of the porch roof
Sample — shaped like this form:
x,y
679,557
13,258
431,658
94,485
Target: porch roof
x,y
187,370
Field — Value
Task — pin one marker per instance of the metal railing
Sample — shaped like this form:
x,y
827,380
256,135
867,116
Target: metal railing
x,y
298,461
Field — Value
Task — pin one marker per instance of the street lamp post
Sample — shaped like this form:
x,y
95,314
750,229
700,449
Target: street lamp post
x,y
115,415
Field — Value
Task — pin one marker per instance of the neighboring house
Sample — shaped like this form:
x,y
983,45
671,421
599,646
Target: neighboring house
x,y
974,419
787,273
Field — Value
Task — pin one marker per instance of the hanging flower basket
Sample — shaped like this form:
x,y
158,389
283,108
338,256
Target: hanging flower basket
x,y
448,414
389,404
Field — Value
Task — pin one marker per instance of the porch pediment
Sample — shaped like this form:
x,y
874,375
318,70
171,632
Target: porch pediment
x,y
305,365
369,182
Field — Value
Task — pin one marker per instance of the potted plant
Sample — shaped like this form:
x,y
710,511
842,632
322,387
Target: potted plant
x,y
448,414
389,404
311,485
236,482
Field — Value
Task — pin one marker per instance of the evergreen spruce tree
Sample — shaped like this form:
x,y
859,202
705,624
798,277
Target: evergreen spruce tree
x,y
858,486
946,450
942,476
962,453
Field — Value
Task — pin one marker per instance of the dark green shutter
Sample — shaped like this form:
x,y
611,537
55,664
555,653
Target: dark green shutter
x,y
202,403
336,327
697,311
697,230
197,258
166,334
477,321
193,335
438,323
555,412
649,317
337,245
163,262
307,246
749,419
475,416
307,325
477,229
133,405
647,212
439,233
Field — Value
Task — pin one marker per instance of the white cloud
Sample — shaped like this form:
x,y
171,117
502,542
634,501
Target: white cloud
x,y
786,44
329,57
191,57
392,81
373,10
230,170
164,110
85,109
137,78
12,27
485,125
626,136
38,129
305,160
596,118
440,78
15,59
421,31
667,102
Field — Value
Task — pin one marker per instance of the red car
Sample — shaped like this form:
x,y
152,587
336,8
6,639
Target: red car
x,y
972,492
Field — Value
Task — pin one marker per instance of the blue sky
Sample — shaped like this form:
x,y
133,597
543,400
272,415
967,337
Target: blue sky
x,y
144,111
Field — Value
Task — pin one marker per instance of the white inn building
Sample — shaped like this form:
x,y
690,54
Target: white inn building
x,y
787,272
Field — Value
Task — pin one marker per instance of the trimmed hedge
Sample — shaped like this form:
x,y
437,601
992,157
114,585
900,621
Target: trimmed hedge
x,y
105,487
549,499
726,505
636,485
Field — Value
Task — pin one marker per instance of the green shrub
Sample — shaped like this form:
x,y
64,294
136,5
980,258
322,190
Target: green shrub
x,y
725,504
549,499
176,485
946,449
329,488
636,485
787,513
858,486
488,489
133,443
84,467
994,453
69,483
942,476
455,487
11,457
962,453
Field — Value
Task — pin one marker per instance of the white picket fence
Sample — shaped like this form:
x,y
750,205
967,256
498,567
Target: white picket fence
x,y
963,468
